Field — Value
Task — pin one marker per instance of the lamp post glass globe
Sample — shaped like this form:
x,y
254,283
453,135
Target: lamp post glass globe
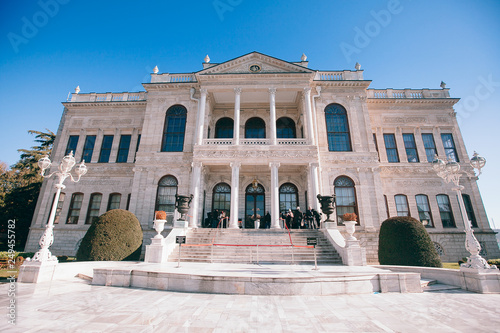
x,y
452,167
44,163
438,164
67,163
477,161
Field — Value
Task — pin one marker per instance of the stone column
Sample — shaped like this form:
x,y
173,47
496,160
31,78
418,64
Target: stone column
x,y
275,206
236,126
272,102
309,117
235,190
313,178
200,122
195,190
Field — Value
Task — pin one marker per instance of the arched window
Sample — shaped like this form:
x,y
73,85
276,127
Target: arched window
x,y
337,128
254,204
175,126
285,128
222,198
165,198
224,128
94,206
345,197
470,211
255,128
114,201
288,197
445,211
74,208
424,210
402,205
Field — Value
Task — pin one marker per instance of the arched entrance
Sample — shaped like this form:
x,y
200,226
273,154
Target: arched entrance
x,y
255,198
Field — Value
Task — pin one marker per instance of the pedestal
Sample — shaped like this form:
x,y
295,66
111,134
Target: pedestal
x,y
36,271
355,254
180,224
330,225
156,252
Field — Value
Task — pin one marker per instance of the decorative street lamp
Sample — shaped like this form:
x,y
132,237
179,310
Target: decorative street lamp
x,y
65,167
450,172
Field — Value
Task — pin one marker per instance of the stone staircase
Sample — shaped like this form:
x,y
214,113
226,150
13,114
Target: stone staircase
x,y
236,249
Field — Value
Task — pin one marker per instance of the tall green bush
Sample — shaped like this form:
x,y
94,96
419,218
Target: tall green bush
x,y
116,235
404,241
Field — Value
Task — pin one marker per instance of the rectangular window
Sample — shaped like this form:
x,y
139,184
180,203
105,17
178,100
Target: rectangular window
x,y
74,208
445,211
114,201
410,147
470,211
107,142
72,143
402,205
430,146
449,147
424,210
60,203
94,206
88,148
391,148
123,149
137,146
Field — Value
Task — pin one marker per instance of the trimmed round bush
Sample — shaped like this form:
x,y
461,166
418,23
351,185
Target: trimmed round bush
x,y
115,236
404,241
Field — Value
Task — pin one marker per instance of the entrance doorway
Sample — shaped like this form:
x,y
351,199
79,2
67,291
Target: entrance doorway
x,y
255,198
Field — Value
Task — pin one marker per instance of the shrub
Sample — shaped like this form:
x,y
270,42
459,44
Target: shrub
x,y
116,235
349,217
404,241
160,215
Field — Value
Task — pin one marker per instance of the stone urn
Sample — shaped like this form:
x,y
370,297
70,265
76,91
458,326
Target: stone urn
x,y
327,205
159,225
182,205
350,229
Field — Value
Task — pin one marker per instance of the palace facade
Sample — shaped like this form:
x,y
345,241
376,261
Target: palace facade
x,y
257,134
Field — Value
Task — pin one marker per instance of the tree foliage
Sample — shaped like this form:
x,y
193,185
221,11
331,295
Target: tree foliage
x,y
404,241
20,187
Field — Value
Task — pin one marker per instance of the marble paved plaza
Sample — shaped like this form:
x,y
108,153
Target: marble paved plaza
x,y
74,305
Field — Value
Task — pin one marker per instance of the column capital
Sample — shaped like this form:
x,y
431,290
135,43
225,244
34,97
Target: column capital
x,y
274,164
307,90
235,164
272,91
237,90
203,91
196,164
314,165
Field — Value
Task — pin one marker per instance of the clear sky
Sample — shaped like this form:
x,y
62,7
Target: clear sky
x,y
49,47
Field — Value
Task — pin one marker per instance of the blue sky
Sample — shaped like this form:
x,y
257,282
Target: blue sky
x,y
49,47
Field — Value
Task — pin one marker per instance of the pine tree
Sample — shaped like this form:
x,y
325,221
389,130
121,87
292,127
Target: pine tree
x,y
20,186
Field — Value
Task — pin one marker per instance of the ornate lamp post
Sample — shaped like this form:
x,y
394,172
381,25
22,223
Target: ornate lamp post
x,y
450,172
65,167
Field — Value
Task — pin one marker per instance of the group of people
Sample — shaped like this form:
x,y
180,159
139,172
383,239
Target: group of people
x,y
298,220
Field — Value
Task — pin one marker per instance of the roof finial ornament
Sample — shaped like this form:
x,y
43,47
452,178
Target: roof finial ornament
x,y
207,59
357,66
443,84
77,89
304,57
155,70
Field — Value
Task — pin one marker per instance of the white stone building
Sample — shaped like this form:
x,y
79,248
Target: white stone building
x,y
257,134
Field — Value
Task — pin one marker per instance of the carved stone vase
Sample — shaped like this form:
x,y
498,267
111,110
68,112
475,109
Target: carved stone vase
x,y
182,205
327,205
159,225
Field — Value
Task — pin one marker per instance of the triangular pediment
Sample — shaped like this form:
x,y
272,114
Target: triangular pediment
x,y
255,63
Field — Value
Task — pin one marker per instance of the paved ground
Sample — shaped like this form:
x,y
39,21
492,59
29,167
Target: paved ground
x,y
73,305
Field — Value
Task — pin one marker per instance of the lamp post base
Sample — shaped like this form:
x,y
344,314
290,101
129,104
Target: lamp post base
x,y
37,271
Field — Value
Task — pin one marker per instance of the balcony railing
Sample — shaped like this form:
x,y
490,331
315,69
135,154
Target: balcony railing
x,y
254,142
107,97
408,93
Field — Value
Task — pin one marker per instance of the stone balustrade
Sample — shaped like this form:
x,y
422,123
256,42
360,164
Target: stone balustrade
x,y
255,142
338,75
408,93
108,97
173,78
